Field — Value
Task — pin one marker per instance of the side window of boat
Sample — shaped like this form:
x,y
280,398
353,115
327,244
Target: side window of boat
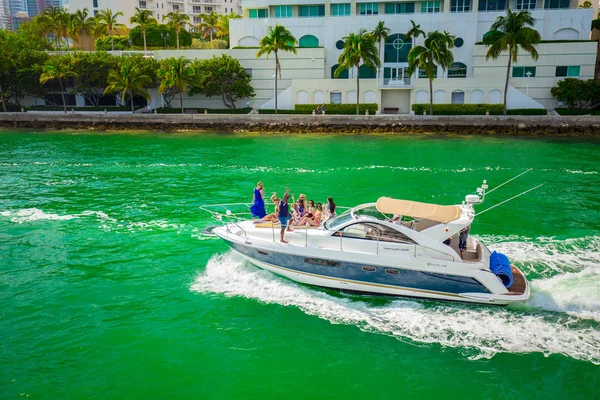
x,y
391,235
360,231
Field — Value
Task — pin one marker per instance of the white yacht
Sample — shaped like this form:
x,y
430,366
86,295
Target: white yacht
x,y
391,247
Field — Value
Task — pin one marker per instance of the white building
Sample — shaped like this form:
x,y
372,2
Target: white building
x,y
160,7
565,51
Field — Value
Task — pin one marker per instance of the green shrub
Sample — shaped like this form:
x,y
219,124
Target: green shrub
x,y
104,43
474,109
271,111
200,110
217,44
596,23
345,109
198,44
572,111
153,37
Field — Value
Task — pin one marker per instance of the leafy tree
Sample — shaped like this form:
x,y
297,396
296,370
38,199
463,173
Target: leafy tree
x,y
55,20
91,70
154,38
57,68
146,66
435,50
508,33
106,43
209,24
177,74
585,4
80,24
143,18
34,32
576,93
108,19
128,80
359,48
223,25
278,39
381,32
223,76
6,66
177,21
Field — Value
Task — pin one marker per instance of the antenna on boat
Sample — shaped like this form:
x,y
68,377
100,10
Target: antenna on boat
x,y
512,179
512,198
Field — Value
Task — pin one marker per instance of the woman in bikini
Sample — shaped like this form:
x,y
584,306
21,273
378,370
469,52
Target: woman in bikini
x,y
274,217
316,218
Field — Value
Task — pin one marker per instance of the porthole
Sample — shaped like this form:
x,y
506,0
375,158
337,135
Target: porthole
x,y
339,44
369,269
458,42
392,271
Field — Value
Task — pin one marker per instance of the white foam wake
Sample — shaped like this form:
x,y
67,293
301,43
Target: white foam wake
x,y
481,331
34,214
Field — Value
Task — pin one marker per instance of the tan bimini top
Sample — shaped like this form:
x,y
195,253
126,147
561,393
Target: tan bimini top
x,y
418,210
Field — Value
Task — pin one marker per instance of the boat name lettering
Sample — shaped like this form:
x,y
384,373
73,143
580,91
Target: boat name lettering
x,y
395,249
429,264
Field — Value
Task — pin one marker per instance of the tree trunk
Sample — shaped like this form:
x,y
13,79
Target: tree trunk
x,y
276,77
430,96
112,40
144,32
2,98
132,108
58,41
177,33
357,89
181,100
507,77
211,32
62,93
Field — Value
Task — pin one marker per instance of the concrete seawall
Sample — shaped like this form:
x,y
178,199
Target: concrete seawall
x,y
286,123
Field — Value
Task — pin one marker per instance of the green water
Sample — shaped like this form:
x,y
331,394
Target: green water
x,y
109,290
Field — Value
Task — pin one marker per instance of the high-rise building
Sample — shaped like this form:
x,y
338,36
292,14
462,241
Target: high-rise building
x,y
4,15
160,7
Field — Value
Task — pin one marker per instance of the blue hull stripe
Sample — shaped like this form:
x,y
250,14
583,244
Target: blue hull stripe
x,y
405,278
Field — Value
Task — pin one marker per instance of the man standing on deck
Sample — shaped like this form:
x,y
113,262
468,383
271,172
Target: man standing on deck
x,y
284,214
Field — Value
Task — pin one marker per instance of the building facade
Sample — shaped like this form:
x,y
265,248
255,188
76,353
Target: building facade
x,y
160,7
565,51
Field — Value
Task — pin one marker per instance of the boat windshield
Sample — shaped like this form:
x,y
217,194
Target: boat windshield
x,y
333,223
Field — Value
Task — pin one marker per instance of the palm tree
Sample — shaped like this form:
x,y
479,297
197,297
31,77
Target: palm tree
x,y
509,32
209,23
177,20
80,24
109,20
358,48
278,38
177,74
128,80
223,25
435,50
96,28
54,19
381,32
415,31
57,68
143,18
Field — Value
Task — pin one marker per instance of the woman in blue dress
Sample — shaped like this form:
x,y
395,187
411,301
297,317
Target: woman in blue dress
x,y
258,203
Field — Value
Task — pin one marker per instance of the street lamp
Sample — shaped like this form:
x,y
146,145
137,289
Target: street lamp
x,y
528,73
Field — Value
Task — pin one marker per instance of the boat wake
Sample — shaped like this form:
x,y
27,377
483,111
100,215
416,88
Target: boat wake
x,y
560,318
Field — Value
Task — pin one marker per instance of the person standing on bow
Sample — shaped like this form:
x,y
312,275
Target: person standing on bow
x,y
258,203
284,214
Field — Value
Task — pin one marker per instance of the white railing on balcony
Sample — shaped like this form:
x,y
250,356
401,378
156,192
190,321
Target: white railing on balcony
x,y
395,82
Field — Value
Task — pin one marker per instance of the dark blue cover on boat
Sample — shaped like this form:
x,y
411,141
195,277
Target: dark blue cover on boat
x,y
500,265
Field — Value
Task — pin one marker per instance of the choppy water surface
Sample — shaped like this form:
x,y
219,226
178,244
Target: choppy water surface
x,y
109,290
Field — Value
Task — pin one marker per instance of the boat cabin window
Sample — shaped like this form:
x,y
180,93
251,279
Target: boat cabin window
x,y
333,223
373,231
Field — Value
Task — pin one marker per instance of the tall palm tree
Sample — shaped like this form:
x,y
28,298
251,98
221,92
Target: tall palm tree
x,y
109,20
415,31
358,48
96,28
435,50
177,74
54,19
176,21
278,39
509,32
80,24
223,25
143,18
57,68
128,80
209,23
381,32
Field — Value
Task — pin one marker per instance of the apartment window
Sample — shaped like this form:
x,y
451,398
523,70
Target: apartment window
x,y
225,10
430,7
208,9
399,8
175,7
281,11
259,13
369,8
197,20
340,10
95,3
521,72
458,97
197,9
457,70
526,4
95,12
249,71
423,73
556,4
312,11
460,5
142,4
571,71
335,98
492,5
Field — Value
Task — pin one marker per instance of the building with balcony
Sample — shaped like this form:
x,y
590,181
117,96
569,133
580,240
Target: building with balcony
x,y
566,50
160,7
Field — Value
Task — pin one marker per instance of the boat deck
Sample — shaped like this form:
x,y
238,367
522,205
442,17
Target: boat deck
x,y
520,283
